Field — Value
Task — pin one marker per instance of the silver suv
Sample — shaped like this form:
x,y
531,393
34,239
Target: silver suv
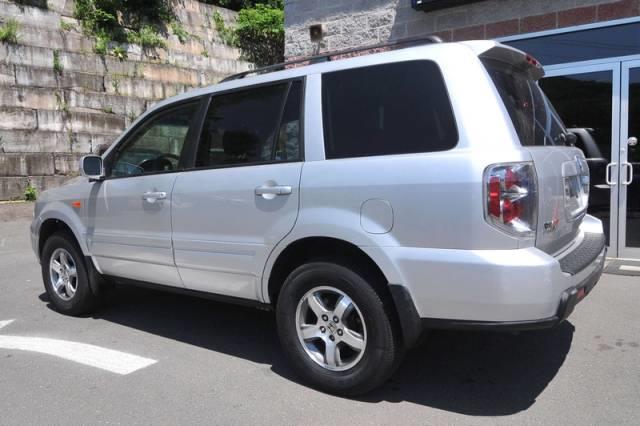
x,y
364,200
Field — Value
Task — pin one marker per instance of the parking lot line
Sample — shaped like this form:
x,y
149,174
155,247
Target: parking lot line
x,y
82,353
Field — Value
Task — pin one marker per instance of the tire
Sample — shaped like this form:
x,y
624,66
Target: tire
x,y
64,297
369,319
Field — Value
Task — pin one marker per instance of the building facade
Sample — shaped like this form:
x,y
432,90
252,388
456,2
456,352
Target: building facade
x,y
590,50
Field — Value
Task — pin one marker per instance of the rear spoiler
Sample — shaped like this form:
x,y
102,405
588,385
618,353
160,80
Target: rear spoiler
x,y
517,58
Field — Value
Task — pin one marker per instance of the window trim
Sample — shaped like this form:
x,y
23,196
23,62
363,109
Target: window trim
x,y
446,89
195,142
198,101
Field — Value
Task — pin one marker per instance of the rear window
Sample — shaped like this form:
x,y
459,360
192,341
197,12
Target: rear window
x,y
397,108
531,112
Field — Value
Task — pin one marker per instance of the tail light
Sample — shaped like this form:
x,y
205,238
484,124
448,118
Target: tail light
x,y
511,198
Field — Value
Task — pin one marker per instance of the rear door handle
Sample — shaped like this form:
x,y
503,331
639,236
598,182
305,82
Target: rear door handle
x,y
268,191
152,197
607,174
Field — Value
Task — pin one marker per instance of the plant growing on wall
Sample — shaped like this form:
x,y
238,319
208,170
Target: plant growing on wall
x,y
57,64
133,21
9,31
30,192
260,34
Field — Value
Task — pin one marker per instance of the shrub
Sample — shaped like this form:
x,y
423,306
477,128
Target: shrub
x,y
179,31
260,34
30,193
9,31
120,53
147,37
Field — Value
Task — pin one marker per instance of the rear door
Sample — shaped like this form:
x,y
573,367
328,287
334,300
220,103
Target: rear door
x,y
562,171
241,198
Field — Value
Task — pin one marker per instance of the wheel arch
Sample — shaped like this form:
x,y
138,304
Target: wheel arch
x,y
310,248
57,218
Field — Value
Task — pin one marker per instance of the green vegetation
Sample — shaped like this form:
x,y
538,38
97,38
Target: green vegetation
x,y
30,193
177,29
242,4
260,34
205,53
102,43
120,53
66,26
107,110
57,64
259,31
107,20
226,34
9,31
147,37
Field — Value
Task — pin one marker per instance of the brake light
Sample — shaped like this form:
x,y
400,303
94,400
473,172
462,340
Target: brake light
x,y
511,197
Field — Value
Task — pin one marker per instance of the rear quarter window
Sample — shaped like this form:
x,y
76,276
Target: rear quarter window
x,y
398,108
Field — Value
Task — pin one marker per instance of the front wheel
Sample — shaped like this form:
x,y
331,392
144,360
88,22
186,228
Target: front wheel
x,y
337,329
65,276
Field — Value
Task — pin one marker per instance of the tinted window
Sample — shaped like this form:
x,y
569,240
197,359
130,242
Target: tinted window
x,y
156,145
534,118
619,40
398,108
244,127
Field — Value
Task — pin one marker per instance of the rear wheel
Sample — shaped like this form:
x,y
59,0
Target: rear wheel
x,y
65,276
337,329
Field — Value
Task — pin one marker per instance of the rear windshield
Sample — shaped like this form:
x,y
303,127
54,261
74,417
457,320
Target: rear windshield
x,y
531,112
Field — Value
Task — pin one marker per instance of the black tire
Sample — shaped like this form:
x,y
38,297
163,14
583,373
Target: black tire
x,y
383,351
83,301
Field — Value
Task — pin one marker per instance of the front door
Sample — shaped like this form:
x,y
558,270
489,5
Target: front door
x,y
129,225
630,161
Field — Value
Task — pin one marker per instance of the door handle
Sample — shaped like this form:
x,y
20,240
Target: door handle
x,y
272,191
629,167
607,174
152,197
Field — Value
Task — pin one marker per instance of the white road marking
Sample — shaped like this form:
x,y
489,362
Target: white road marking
x,y
6,323
82,353
630,268
2,241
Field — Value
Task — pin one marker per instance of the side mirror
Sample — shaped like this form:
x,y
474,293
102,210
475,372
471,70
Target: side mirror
x,y
91,167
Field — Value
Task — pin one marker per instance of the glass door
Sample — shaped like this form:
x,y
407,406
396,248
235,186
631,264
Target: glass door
x,y
587,99
629,172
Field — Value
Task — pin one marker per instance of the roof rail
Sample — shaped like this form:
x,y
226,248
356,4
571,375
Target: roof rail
x,y
326,57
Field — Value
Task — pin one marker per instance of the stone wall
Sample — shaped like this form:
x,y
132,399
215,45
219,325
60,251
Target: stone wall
x,y
52,115
352,23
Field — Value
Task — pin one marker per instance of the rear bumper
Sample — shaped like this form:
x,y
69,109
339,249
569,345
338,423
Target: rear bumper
x,y
568,301
507,290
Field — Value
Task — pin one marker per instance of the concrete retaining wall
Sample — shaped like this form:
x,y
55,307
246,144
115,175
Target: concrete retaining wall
x,y
49,117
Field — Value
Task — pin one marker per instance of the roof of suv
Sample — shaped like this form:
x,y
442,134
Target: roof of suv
x,y
402,54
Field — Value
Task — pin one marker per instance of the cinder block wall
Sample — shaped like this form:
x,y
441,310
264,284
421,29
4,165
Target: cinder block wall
x,y
49,119
352,23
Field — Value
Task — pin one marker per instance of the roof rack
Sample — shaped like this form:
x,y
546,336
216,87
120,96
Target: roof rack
x,y
326,57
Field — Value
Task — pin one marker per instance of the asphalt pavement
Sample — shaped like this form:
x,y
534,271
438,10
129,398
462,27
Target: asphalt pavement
x,y
221,364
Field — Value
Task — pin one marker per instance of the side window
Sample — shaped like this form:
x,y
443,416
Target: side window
x,y
156,145
397,108
252,126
